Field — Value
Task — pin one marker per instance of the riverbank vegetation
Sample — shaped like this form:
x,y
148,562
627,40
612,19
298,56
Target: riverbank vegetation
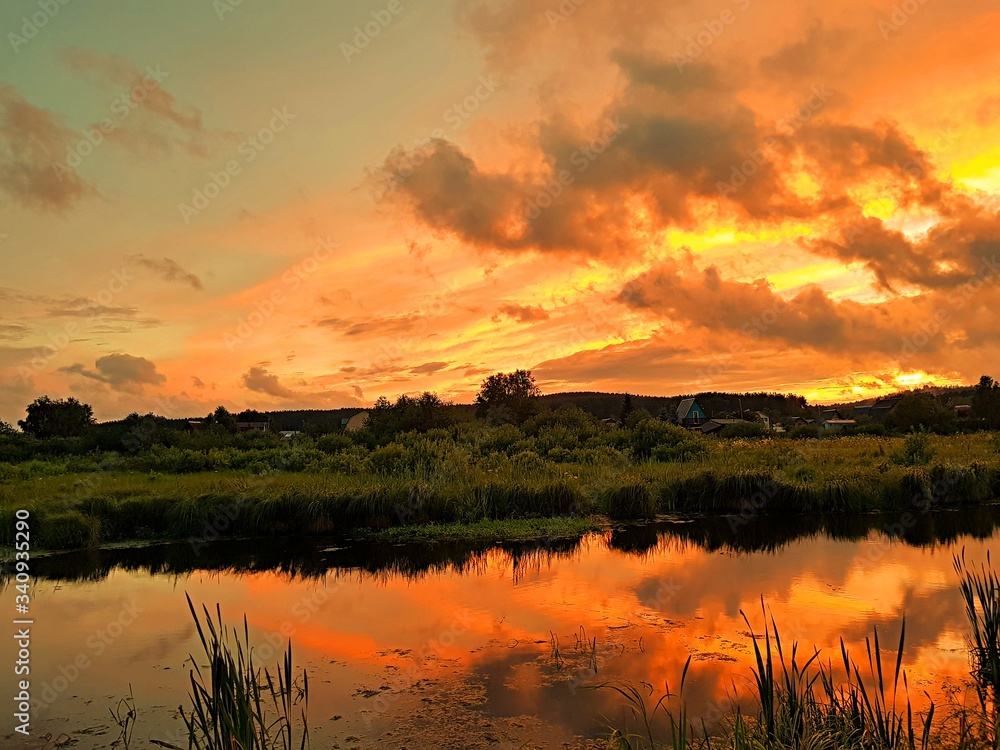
x,y
414,463
471,473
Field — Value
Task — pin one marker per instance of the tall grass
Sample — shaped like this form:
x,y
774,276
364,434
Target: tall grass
x,y
477,476
235,705
801,704
981,594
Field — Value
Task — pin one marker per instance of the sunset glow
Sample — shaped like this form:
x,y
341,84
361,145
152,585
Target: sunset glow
x,y
278,216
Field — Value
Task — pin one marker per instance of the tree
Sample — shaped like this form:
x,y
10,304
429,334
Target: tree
x,y
61,418
409,414
508,397
986,401
668,414
919,410
6,429
223,419
626,408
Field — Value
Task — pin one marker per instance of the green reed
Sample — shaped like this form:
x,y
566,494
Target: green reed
x,y
801,703
981,594
234,704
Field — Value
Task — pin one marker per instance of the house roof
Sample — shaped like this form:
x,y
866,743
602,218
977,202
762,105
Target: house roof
x,y
717,424
684,407
887,403
840,421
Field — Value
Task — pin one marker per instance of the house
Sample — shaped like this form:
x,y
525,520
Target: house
x,y
803,421
354,423
252,426
883,407
689,413
835,425
289,434
963,410
195,425
762,417
828,414
716,425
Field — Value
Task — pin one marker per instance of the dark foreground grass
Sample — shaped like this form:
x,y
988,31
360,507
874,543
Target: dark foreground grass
x,y
746,477
803,703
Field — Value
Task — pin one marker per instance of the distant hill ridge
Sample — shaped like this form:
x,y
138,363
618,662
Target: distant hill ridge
x,y
606,405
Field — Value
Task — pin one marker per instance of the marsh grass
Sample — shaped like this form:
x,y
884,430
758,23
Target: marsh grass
x,y
234,704
801,703
488,478
981,594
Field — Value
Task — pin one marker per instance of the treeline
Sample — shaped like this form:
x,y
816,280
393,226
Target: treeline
x,y
716,404
67,427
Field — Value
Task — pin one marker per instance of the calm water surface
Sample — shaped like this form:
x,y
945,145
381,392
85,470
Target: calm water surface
x,y
461,646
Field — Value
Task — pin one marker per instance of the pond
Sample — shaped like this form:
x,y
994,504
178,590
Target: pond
x,y
467,646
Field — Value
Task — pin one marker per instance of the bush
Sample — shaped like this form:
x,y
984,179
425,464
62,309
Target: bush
x,y
916,451
528,461
570,420
389,459
334,443
804,432
652,434
690,450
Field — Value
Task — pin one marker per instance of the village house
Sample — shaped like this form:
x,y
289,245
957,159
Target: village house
x,y
690,414
355,422
879,410
717,424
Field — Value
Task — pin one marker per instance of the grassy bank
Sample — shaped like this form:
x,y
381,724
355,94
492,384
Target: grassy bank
x,y
466,475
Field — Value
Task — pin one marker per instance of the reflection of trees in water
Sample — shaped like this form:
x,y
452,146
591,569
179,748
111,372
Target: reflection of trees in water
x,y
770,533
313,557
309,558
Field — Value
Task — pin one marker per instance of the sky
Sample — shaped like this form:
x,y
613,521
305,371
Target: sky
x,y
310,205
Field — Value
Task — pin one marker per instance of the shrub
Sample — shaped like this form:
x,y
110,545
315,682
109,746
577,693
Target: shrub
x,y
528,461
804,432
389,459
690,450
916,451
653,433
334,443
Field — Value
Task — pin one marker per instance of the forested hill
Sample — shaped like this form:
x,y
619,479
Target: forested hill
x,y
602,405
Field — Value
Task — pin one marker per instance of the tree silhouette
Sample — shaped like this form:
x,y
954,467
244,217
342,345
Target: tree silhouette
x,y
626,408
986,401
223,419
61,418
507,397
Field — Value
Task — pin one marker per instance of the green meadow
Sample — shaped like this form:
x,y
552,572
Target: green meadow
x,y
560,465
